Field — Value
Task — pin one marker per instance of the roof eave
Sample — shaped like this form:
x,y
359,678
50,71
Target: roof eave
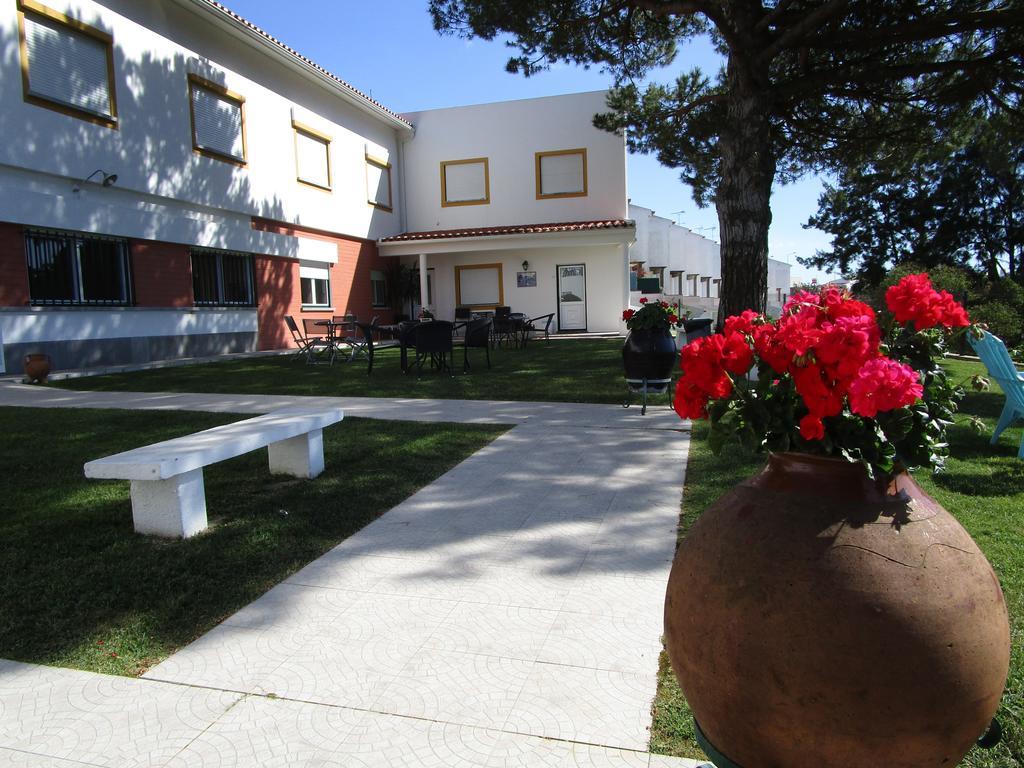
x,y
237,28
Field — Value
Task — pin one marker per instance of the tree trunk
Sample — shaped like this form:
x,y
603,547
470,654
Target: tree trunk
x,y
743,197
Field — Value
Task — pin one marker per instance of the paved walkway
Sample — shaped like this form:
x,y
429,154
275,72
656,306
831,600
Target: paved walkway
x,y
507,614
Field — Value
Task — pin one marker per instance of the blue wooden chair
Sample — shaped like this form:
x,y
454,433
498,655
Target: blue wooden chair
x,y
997,360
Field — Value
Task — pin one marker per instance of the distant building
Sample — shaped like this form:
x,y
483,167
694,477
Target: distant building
x,y
687,266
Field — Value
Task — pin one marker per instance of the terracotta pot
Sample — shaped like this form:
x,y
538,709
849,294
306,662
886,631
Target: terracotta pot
x,y
37,367
815,618
649,354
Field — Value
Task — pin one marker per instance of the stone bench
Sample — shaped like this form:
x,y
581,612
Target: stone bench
x,y
168,495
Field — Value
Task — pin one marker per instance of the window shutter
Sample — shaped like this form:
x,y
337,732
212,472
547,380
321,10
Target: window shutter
x,y
378,183
480,286
314,271
562,174
67,66
312,159
465,182
218,122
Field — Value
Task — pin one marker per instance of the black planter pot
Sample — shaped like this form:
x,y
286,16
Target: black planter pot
x,y
696,328
649,354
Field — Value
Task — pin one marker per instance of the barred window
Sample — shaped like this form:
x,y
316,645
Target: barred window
x,y
77,268
222,278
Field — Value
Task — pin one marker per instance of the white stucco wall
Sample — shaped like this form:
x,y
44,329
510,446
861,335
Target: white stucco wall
x,y
156,45
605,274
48,324
509,134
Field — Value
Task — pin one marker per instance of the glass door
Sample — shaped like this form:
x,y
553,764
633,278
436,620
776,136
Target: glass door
x,y
572,297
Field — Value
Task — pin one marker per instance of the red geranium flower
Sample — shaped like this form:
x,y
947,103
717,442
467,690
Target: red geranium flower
x,y
884,385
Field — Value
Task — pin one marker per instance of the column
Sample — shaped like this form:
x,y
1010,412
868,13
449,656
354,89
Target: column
x,y
423,283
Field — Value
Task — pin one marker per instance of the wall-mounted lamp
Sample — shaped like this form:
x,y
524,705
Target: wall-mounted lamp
x,y
526,265
108,180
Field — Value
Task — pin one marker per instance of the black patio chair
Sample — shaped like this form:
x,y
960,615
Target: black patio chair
x,y
406,340
533,325
478,336
362,345
505,327
434,342
320,342
301,342
462,317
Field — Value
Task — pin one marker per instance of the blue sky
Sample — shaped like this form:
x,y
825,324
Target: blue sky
x,y
389,49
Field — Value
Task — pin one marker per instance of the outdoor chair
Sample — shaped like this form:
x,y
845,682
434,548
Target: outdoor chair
x,y
406,341
301,342
478,336
434,342
320,342
462,317
505,327
533,325
362,344
997,360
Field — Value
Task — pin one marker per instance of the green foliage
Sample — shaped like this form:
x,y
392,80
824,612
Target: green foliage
x,y
951,196
1004,321
655,315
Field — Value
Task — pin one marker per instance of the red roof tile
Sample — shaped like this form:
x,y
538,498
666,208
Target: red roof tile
x,y
517,229
224,9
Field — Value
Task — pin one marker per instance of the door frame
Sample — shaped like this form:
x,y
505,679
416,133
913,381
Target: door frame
x,y
558,297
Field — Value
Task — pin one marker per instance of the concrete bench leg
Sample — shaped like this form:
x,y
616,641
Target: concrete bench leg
x,y
175,507
300,456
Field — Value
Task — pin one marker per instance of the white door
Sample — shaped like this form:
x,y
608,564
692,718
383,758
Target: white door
x,y
572,297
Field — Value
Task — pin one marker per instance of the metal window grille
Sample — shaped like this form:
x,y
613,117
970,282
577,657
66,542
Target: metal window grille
x,y
67,268
222,278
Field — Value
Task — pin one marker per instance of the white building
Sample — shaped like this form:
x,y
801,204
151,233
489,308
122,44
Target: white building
x,y
687,266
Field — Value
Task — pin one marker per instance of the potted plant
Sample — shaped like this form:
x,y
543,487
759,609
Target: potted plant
x,y
828,612
37,368
649,352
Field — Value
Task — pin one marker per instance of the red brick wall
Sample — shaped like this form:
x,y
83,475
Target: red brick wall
x,y
13,267
162,274
278,290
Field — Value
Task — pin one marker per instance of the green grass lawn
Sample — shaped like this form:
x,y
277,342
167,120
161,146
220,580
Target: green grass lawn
x,y
569,370
79,588
983,486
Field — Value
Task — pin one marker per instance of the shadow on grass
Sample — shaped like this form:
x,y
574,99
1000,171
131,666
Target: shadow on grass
x,y
79,588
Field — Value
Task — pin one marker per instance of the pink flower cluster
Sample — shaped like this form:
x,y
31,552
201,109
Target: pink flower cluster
x,y
828,344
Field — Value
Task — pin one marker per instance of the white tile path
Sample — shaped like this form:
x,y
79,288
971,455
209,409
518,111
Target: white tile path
x,y
508,614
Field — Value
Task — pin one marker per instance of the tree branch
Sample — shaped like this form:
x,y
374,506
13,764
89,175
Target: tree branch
x,y
928,28
822,81
797,34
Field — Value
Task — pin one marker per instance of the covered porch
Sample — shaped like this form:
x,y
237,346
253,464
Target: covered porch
x,y
578,271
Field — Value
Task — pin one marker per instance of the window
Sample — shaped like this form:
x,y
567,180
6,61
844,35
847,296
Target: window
x,y
676,279
70,268
218,121
691,284
66,65
562,173
222,278
378,183
312,156
315,284
479,286
465,182
379,288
